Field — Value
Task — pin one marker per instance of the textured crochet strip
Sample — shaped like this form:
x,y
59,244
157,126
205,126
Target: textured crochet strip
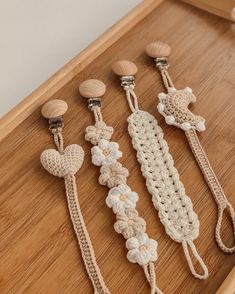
x,y
173,105
122,200
64,163
174,207
215,187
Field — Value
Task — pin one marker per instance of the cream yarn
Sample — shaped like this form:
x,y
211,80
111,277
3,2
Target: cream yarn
x,y
173,105
105,153
215,187
97,132
129,223
60,165
113,175
121,199
65,163
174,207
162,179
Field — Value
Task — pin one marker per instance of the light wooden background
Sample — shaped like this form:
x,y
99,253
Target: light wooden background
x,y
38,249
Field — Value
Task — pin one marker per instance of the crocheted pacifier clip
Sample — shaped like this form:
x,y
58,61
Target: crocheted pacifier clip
x,y
162,179
122,200
173,105
64,163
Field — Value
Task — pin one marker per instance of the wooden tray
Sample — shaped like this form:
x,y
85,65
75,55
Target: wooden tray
x,y
38,249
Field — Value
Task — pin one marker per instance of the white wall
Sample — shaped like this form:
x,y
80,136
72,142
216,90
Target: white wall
x,y
37,37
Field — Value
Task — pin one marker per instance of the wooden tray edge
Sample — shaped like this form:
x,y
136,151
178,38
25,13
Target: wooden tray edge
x,y
220,8
22,110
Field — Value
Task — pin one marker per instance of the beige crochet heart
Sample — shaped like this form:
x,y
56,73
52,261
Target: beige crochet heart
x,y
61,165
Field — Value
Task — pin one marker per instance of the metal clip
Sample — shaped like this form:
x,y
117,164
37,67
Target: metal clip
x,y
55,123
127,81
94,102
161,62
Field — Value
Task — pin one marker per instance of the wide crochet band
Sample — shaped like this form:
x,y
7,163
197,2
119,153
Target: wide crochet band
x,y
174,207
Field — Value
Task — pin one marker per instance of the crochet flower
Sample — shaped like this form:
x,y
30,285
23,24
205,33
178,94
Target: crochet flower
x,y
129,223
105,152
113,175
99,131
120,198
142,249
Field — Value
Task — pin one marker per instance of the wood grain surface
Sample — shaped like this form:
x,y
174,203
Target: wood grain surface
x,y
38,249
218,7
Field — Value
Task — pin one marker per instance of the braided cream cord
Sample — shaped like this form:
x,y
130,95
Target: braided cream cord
x,y
166,78
83,237
58,139
149,271
214,186
64,163
162,180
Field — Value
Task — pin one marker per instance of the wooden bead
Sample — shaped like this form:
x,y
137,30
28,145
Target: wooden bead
x,y
124,68
54,108
92,88
158,49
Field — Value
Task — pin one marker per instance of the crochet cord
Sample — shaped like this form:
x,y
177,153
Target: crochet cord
x,y
166,78
214,186
97,113
149,271
83,237
58,139
190,244
133,103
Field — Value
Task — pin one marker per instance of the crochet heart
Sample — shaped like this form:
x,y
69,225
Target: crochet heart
x,y
61,165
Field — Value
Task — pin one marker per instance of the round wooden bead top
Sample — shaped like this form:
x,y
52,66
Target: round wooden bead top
x,y
124,68
158,49
54,108
92,88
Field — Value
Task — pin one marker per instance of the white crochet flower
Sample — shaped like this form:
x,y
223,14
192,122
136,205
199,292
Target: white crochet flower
x,y
105,152
99,131
142,249
120,198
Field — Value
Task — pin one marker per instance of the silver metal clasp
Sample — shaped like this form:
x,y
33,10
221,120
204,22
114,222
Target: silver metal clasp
x,y
94,102
56,123
161,62
127,81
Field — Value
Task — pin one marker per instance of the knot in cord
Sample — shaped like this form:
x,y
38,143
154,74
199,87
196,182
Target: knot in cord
x,y
129,87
